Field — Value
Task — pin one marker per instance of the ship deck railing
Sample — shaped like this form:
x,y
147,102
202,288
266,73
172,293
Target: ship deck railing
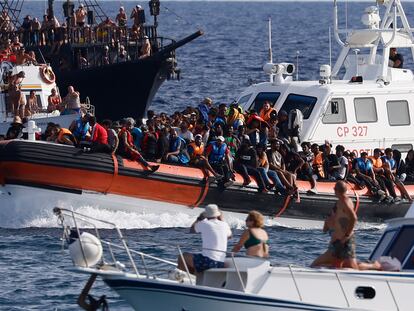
x,y
88,36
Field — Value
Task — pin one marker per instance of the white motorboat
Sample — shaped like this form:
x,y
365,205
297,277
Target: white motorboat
x,y
245,283
362,102
38,78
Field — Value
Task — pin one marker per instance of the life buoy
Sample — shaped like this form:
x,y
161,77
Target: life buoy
x,y
47,74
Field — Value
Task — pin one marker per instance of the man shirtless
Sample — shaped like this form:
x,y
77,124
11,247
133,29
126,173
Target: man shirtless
x,y
80,16
340,224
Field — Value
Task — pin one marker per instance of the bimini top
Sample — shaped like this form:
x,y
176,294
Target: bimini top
x,y
398,241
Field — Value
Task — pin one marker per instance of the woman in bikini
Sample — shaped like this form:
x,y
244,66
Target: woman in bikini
x,y
254,238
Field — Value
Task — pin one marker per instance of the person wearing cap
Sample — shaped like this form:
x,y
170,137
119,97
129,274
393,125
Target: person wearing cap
x,y
15,130
80,16
145,50
121,18
138,15
215,233
218,156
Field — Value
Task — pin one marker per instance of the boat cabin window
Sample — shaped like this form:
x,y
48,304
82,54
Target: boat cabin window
x,y
403,148
382,244
244,100
409,262
262,97
398,112
365,109
304,103
402,245
337,116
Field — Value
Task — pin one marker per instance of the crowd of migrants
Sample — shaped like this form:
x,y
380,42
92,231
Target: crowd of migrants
x,y
109,33
222,140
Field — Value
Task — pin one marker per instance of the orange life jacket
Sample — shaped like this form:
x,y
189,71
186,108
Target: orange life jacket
x,y
318,165
197,150
63,132
265,115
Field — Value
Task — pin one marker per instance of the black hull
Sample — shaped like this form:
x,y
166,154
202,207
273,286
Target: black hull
x,y
118,90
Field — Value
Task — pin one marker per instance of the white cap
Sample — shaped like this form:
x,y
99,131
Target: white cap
x,y
221,138
211,211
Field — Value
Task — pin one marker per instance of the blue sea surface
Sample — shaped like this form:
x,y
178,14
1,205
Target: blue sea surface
x,y
219,65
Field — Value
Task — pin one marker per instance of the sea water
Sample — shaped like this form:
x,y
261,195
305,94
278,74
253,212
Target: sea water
x,y
219,65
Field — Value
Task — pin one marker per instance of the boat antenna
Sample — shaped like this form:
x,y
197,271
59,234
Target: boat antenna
x,y
297,65
330,47
270,41
346,16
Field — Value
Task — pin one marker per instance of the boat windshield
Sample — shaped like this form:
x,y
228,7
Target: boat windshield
x,y
304,103
262,97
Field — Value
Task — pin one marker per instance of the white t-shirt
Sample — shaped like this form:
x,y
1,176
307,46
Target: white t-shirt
x,y
214,234
343,161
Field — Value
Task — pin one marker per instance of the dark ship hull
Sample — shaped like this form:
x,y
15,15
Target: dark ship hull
x,y
118,90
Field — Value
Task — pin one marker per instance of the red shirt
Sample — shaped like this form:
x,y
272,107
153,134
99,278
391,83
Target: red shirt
x,y
99,134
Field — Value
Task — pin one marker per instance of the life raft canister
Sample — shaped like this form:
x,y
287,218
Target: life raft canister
x,y
47,74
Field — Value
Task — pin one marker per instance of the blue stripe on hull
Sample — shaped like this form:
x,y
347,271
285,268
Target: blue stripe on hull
x,y
197,292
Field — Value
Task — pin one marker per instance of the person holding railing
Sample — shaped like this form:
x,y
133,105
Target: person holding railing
x,y
214,235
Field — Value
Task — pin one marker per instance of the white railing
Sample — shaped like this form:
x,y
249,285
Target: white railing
x,y
70,221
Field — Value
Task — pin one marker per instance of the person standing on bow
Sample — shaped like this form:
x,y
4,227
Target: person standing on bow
x,y
214,235
254,238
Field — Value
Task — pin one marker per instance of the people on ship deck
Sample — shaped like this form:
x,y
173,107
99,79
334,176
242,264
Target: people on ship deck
x,y
214,235
71,101
54,101
254,238
32,105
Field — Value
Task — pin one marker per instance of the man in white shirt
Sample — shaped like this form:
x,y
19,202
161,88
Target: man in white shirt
x,y
214,234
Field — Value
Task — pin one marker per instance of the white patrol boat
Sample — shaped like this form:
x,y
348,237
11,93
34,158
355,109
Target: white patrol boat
x,y
245,284
362,102
38,78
